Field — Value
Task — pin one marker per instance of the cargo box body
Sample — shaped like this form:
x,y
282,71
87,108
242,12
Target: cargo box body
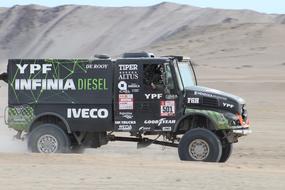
x,y
71,89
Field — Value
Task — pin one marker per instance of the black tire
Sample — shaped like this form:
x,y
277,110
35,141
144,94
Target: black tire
x,y
51,133
207,139
226,152
77,149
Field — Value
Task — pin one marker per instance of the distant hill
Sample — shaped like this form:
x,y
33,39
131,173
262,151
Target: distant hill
x,y
81,31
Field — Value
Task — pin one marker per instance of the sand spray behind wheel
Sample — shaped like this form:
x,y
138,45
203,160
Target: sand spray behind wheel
x,y
7,141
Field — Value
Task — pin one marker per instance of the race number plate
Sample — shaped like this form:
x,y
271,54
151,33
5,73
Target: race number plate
x,y
167,108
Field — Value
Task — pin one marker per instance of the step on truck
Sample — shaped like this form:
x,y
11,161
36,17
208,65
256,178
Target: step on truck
x,y
64,105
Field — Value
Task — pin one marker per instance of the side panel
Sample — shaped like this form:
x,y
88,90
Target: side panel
x,y
138,106
79,90
127,82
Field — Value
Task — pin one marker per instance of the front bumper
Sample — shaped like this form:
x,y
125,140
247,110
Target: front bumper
x,y
242,129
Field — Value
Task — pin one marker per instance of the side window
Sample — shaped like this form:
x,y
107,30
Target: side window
x,y
168,79
153,77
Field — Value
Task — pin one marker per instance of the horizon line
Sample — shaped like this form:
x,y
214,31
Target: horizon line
x,y
139,6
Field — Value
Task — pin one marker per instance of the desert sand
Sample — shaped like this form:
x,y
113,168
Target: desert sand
x,y
241,52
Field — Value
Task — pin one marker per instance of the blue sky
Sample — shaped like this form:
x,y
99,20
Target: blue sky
x,y
268,6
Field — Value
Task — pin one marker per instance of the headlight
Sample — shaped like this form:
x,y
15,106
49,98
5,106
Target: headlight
x,y
244,113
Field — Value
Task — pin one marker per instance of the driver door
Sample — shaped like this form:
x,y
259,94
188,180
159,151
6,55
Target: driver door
x,y
158,101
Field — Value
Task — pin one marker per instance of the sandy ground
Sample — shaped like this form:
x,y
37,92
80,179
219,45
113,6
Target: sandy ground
x,y
258,161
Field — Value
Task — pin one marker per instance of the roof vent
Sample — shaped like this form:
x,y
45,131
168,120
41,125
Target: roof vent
x,y
102,56
137,55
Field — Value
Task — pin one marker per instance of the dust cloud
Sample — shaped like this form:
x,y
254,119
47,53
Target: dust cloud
x,y
8,143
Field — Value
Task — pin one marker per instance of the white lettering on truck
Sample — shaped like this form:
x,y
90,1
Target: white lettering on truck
x,y
34,68
94,113
44,84
153,96
159,122
128,67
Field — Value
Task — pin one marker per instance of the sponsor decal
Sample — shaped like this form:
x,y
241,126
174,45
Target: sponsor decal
x,y
209,95
125,127
193,100
34,68
99,84
143,128
166,128
124,87
128,72
128,67
19,109
128,75
127,115
153,96
135,90
227,105
96,66
92,84
94,113
126,102
167,108
159,122
125,122
134,85
20,117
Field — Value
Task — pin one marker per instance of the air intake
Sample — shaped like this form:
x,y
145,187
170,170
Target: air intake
x,y
210,102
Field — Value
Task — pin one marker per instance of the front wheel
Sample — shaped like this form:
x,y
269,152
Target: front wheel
x,y
226,152
200,145
48,138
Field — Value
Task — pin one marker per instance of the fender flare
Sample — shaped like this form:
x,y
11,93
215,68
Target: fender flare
x,y
193,114
51,114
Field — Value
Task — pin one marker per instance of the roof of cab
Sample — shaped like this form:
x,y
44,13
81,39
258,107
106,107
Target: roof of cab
x,y
143,60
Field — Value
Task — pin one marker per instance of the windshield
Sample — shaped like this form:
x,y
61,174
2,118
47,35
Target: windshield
x,y
186,74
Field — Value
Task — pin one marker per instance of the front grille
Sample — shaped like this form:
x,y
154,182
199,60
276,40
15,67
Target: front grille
x,y
210,102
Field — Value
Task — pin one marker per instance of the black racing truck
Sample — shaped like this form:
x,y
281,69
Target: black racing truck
x,y
63,105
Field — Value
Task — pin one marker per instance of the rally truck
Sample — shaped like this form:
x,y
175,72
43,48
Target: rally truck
x,y
63,105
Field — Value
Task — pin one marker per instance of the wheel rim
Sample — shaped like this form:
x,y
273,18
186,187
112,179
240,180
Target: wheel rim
x,y
47,144
199,149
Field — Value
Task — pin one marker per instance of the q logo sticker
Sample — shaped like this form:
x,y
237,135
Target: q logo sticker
x,y
123,86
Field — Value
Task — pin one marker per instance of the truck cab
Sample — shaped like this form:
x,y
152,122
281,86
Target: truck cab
x,y
139,93
165,91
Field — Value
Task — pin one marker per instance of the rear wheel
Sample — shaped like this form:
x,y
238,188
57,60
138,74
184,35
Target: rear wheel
x,y
48,138
77,149
226,152
200,145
